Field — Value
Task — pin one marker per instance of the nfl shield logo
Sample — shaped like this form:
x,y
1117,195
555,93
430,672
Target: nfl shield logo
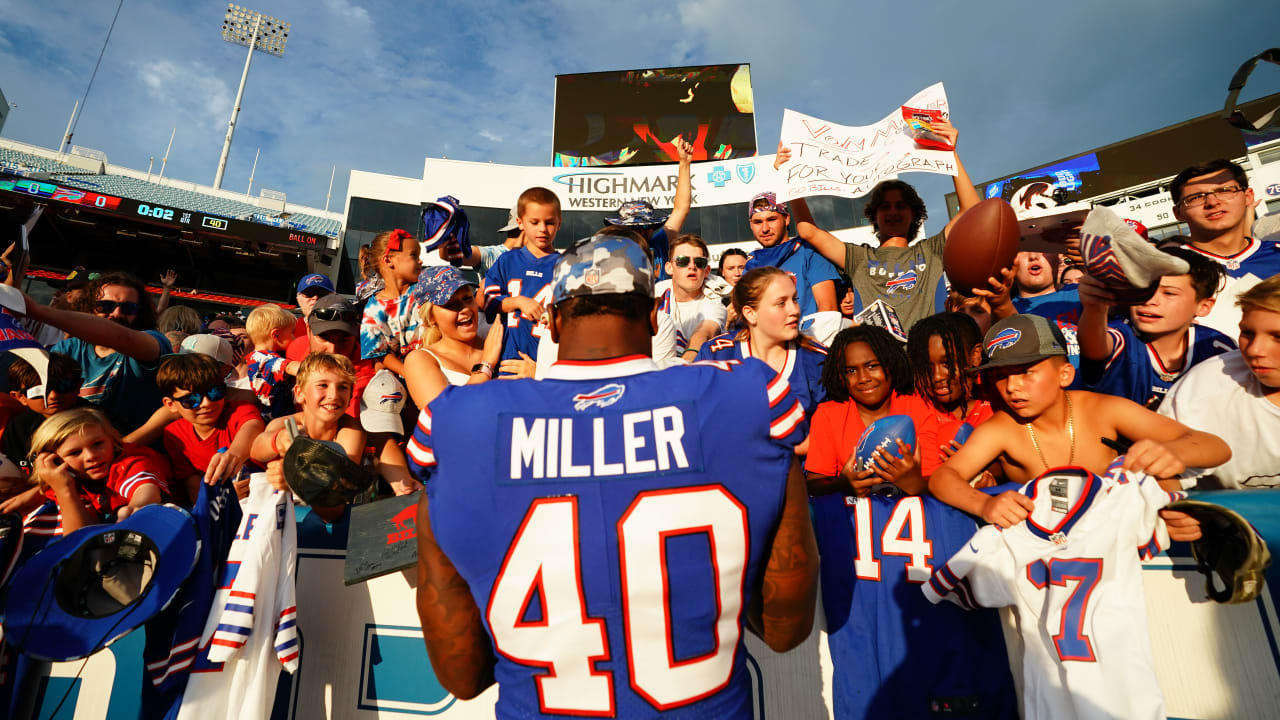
x,y
746,172
592,277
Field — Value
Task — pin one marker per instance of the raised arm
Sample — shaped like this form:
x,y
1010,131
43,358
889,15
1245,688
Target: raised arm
x,y
461,655
683,199
99,331
827,245
1096,343
966,193
789,586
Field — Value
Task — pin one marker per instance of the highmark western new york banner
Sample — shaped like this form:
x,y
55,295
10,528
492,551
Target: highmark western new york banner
x,y
716,182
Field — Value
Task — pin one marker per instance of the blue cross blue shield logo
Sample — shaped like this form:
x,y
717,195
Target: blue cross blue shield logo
x,y
746,172
719,176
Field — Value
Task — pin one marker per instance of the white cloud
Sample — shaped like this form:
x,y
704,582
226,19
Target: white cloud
x,y
191,89
490,136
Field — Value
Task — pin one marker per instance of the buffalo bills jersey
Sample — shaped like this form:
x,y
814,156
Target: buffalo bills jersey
x,y
1061,306
251,630
1259,258
519,273
173,636
612,523
1135,371
894,654
802,371
1073,571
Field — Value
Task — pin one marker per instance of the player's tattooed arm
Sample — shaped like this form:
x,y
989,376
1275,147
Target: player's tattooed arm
x,y
461,655
783,615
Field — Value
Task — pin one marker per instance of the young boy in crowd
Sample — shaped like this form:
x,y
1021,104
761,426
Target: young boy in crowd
x,y
698,316
519,284
323,391
1042,425
1139,358
270,374
211,437
62,392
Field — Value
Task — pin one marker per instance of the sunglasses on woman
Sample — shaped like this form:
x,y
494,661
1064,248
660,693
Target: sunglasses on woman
x,y
193,401
106,307
683,261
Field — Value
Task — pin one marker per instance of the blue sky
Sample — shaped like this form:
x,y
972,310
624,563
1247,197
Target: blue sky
x,y
378,86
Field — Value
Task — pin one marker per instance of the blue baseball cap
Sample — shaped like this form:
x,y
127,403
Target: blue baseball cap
x,y
437,284
638,213
602,265
315,280
94,586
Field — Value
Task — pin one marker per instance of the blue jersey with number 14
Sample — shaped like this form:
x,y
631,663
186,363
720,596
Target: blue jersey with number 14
x,y
519,273
894,654
613,528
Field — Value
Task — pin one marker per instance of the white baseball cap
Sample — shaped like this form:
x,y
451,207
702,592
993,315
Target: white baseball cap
x,y
211,345
381,404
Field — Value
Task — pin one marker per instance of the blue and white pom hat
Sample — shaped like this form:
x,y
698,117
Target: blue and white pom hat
x,y
94,586
602,265
638,213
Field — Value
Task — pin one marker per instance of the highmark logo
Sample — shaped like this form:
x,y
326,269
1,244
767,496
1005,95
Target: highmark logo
x,y
719,176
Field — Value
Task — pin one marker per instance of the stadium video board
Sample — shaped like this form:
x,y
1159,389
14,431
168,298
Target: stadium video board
x,y
630,117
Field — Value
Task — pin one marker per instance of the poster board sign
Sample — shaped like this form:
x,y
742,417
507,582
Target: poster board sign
x,y
831,159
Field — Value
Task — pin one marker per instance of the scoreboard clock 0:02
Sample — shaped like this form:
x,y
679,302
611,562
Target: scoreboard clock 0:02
x,y
155,211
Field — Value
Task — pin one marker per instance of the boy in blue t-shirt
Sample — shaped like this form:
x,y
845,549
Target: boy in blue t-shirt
x,y
1140,357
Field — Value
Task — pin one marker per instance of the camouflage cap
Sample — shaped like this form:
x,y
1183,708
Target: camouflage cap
x,y
602,265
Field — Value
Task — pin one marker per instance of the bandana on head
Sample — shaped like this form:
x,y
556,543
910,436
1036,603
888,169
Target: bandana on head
x,y
766,202
395,243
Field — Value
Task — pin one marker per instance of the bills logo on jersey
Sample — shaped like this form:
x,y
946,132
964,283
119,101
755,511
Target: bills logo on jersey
x,y
1004,340
904,283
603,396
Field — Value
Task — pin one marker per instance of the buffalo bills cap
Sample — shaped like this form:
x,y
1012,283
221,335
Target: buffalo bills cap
x,y
437,284
638,213
381,403
314,280
95,585
602,265
1021,340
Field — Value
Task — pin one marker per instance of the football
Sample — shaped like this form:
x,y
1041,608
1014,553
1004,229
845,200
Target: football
x,y
962,433
980,244
884,433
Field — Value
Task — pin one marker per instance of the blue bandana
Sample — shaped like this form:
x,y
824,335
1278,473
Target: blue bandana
x,y
773,256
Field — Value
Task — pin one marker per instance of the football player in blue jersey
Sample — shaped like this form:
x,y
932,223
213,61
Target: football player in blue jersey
x,y
603,555
1141,356
518,285
765,301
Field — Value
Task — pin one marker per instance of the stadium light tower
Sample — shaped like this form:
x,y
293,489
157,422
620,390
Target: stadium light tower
x,y
255,31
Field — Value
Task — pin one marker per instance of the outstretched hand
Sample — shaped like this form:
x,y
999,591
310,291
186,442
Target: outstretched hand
x,y
168,279
783,157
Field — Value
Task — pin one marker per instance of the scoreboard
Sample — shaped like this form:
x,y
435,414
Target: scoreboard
x,y
187,219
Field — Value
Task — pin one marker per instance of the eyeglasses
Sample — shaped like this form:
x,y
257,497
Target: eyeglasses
x,y
1198,199
335,314
683,261
106,307
192,401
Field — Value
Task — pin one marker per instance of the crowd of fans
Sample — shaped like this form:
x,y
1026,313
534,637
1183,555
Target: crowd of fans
x,y
141,402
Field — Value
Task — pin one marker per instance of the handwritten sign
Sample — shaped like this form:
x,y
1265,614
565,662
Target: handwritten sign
x,y
830,159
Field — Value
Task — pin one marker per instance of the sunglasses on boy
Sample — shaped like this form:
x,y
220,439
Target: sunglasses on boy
x,y
335,314
193,401
106,307
683,261
58,386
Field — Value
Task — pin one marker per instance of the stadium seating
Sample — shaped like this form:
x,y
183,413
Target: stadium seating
x,y
160,194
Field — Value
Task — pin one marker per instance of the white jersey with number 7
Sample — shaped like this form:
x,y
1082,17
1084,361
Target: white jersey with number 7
x,y
1073,571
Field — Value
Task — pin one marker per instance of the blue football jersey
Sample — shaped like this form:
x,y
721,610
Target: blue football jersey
x,y
803,370
1134,370
612,525
894,654
1260,258
519,273
1061,306
173,636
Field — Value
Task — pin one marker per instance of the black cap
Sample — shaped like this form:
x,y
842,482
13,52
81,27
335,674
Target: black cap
x,y
1022,340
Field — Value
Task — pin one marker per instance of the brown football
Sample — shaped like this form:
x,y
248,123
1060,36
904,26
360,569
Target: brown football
x,y
980,244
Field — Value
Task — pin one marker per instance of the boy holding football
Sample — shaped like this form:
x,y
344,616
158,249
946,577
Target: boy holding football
x,y
1041,425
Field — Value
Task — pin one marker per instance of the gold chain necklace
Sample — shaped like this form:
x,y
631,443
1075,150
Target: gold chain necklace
x,y
1071,430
